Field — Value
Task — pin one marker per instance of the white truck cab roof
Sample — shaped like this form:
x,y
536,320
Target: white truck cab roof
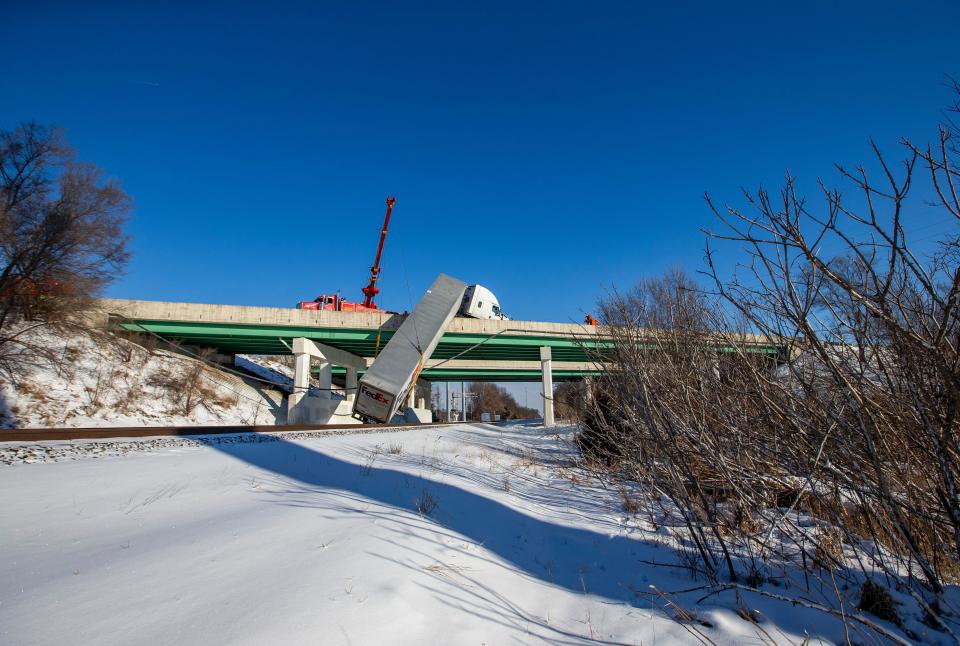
x,y
480,303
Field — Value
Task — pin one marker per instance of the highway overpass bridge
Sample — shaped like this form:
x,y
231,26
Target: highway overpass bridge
x,y
345,343
469,350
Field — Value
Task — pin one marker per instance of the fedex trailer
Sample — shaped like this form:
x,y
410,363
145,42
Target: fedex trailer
x,y
384,387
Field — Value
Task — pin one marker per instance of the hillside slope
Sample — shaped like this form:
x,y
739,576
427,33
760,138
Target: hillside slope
x,y
98,379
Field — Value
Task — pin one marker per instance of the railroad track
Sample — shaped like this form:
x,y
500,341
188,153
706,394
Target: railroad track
x,y
39,435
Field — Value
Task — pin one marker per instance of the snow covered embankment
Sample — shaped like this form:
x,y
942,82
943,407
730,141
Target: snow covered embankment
x,y
98,379
458,535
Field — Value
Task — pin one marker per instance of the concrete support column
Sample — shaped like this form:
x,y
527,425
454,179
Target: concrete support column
x,y
546,369
351,384
299,411
301,382
326,380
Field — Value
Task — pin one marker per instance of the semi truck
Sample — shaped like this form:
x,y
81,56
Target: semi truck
x,y
384,387
480,303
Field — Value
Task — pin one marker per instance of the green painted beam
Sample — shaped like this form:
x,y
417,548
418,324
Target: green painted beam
x,y
471,374
275,339
255,339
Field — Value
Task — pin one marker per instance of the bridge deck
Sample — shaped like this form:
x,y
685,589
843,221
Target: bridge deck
x,y
484,350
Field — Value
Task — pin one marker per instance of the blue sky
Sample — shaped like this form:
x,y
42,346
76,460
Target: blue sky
x,y
546,150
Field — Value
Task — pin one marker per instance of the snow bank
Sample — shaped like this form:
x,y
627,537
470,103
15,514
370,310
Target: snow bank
x,y
98,379
280,375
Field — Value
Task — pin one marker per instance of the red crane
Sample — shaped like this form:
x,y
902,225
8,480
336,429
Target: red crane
x,y
336,304
370,291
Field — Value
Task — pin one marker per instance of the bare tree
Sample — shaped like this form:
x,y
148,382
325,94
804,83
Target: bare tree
x,y
882,327
61,231
568,399
854,422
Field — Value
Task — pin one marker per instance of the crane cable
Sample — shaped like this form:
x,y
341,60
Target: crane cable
x,y
376,350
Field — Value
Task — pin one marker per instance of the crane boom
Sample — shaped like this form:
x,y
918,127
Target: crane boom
x,y
370,291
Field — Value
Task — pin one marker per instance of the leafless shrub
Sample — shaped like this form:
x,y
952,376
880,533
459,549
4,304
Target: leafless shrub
x,y
568,400
630,503
102,382
875,364
828,549
132,398
426,504
190,386
367,467
854,419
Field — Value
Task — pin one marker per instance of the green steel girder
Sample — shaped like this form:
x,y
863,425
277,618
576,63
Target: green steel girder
x,y
277,339
440,375
483,374
255,339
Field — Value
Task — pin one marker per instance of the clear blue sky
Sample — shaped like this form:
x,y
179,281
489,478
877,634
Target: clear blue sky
x,y
545,150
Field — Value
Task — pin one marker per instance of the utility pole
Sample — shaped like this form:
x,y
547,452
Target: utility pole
x,y
464,398
449,417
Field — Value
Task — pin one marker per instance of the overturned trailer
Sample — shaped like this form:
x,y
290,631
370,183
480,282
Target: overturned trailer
x,y
384,387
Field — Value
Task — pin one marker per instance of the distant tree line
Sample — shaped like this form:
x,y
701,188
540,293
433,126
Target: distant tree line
x,y
488,398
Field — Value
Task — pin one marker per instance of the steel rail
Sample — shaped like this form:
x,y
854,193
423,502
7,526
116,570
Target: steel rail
x,y
107,432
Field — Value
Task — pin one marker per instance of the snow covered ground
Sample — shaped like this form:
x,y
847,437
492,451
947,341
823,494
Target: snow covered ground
x,y
469,534
280,375
98,379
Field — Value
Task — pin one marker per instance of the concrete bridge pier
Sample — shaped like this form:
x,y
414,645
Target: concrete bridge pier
x,y
325,379
546,370
324,409
350,386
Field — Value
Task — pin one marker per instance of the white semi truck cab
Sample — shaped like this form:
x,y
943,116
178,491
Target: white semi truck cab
x,y
480,303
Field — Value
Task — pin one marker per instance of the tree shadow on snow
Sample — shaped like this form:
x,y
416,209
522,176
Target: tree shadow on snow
x,y
579,560
522,540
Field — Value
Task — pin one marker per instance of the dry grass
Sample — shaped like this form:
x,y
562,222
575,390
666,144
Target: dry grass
x,y
192,386
31,390
426,504
631,504
828,550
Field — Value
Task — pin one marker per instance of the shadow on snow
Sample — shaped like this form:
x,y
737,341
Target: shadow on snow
x,y
579,560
